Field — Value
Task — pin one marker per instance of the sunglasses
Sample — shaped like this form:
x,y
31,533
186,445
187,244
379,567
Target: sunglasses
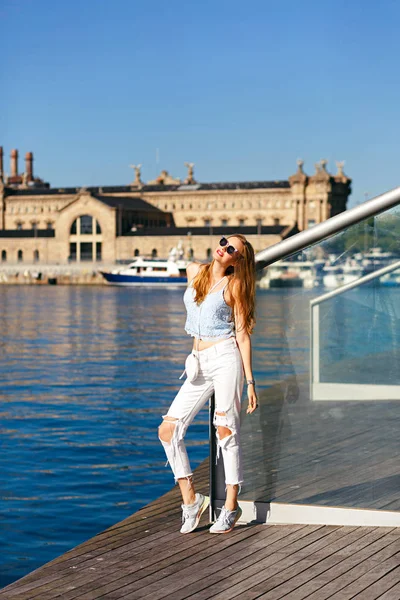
x,y
230,249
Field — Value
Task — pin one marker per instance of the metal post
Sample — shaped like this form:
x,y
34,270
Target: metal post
x,y
213,454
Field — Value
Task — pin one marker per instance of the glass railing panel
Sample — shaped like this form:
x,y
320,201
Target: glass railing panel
x,y
357,336
326,431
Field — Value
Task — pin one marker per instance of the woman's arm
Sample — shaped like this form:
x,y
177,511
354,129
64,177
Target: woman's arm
x,y
244,343
192,269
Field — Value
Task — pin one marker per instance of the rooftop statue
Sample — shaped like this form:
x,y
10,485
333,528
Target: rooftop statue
x,y
190,176
137,181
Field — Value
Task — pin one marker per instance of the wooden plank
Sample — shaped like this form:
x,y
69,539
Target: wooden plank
x,y
258,576
147,564
142,579
209,572
359,588
346,571
392,594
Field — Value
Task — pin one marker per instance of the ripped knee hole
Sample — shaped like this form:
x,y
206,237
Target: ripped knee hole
x,y
223,432
222,429
166,429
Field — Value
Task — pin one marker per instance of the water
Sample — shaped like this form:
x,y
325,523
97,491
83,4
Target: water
x,y
86,374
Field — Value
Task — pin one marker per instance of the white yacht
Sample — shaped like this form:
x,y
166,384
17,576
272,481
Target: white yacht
x,y
149,272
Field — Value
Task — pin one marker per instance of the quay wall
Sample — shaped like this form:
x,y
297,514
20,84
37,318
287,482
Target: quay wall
x,y
39,274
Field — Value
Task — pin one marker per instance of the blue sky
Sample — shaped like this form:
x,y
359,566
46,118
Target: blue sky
x,y
242,89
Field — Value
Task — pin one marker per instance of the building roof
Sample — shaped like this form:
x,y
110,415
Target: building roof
x,y
128,203
100,190
239,185
220,230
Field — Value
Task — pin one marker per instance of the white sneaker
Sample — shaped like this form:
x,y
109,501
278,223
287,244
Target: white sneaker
x,y
226,520
191,513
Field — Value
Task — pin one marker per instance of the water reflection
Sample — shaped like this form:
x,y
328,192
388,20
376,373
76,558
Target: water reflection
x,y
86,374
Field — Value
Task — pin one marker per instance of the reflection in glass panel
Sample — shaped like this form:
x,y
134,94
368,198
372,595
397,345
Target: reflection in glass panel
x,y
73,227
359,336
326,431
98,251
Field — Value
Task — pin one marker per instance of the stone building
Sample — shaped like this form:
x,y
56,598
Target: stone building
x,y
39,223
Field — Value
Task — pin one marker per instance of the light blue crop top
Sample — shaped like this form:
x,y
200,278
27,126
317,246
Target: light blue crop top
x,y
213,315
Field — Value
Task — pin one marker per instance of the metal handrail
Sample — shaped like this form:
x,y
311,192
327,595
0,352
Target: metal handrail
x,y
356,283
335,224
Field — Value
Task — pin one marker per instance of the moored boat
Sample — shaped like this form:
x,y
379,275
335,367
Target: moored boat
x,y
149,272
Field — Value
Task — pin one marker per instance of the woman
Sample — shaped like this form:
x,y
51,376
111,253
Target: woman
x,y
219,301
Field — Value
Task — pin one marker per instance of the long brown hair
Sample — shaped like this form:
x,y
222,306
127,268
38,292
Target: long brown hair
x,y
242,278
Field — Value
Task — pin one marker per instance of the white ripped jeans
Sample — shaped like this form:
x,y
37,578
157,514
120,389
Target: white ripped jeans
x,y
221,372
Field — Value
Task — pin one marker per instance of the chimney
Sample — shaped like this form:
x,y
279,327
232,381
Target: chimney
x,y
29,166
14,163
1,163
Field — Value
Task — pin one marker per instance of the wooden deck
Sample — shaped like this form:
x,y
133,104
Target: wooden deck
x,y
145,556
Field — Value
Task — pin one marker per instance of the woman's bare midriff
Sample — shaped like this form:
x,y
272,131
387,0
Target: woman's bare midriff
x,y
202,344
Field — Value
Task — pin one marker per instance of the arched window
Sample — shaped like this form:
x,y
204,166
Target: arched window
x,y
209,253
276,221
137,252
36,255
85,243
20,256
85,225
3,255
154,253
19,226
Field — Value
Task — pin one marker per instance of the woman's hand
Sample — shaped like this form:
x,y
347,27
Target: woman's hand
x,y
253,400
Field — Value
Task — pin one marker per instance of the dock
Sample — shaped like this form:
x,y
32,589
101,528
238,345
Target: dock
x,y
145,556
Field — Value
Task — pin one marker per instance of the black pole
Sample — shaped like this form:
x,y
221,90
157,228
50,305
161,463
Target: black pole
x,y
213,454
